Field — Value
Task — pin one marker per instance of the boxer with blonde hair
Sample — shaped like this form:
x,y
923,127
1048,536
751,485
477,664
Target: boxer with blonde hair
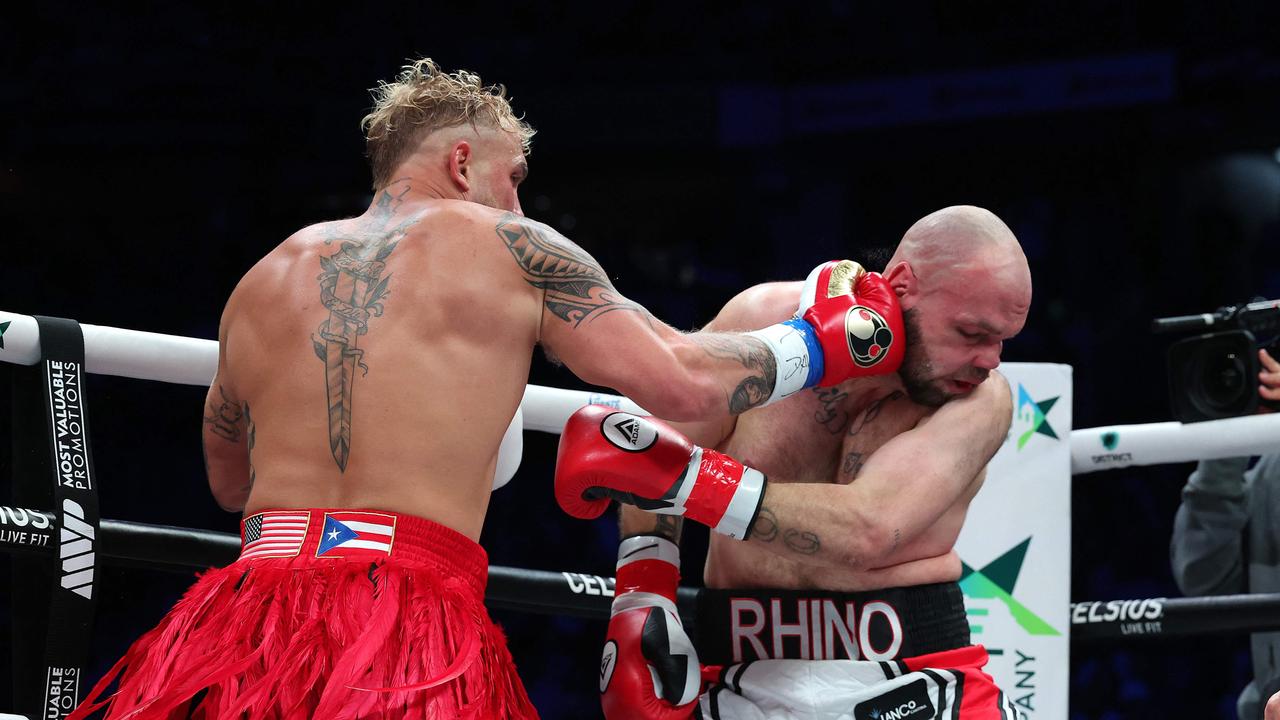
x,y
367,371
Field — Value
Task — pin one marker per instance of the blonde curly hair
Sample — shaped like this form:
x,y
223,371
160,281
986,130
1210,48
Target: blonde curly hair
x,y
424,99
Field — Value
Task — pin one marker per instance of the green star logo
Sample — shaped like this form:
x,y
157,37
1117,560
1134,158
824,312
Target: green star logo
x,y
1110,440
3,326
1033,413
996,581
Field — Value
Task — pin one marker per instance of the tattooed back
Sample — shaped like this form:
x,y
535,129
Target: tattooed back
x,y
378,360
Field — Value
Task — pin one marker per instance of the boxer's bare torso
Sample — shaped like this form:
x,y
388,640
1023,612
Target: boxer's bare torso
x,y
825,436
376,362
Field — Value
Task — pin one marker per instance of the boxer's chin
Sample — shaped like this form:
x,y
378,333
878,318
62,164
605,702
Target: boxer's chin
x,y
933,392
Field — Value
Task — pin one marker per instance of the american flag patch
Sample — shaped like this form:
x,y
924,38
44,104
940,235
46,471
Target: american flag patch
x,y
356,534
274,534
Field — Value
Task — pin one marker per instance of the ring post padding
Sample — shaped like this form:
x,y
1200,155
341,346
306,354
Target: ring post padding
x,y
75,496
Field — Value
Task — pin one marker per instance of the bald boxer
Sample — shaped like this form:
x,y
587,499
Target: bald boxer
x,y
367,371
841,601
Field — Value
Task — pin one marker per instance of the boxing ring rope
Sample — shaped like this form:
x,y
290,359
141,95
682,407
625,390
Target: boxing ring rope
x,y
586,595
189,361
181,360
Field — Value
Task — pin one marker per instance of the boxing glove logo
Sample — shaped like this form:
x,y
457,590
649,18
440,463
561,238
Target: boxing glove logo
x,y
628,432
868,334
607,663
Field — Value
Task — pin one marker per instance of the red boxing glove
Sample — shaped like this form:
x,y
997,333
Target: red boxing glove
x,y
858,320
606,454
649,669
848,325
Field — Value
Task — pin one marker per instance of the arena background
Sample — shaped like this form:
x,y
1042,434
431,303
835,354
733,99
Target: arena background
x,y
151,154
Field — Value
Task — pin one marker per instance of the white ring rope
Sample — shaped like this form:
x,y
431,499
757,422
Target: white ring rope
x,y
189,361
1105,448
126,353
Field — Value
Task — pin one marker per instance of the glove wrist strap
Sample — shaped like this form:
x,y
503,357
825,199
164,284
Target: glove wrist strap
x,y
797,356
647,564
726,496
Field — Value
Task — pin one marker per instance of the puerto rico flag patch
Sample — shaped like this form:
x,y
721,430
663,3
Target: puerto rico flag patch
x,y
356,535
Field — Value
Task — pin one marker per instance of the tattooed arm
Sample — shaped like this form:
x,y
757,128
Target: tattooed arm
x,y
227,440
902,489
606,339
753,307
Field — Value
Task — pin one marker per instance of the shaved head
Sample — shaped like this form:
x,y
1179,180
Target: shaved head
x,y
960,237
965,287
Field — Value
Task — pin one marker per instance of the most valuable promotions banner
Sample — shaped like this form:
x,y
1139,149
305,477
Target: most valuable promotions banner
x,y
1016,546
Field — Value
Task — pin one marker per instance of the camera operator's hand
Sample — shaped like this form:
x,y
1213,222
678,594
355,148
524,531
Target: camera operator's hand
x,y
1269,377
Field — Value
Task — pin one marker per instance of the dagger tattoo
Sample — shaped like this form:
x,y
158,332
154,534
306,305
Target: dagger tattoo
x,y
353,289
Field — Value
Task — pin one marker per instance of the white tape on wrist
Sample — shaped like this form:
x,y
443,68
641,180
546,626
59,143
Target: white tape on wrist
x,y
796,355
743,506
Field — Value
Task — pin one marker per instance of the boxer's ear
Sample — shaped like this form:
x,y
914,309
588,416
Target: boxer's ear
x,y
460,165
903,281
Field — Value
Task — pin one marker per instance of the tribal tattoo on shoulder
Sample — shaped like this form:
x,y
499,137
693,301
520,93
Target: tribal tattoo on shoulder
x,y
576,288
353,289
578,291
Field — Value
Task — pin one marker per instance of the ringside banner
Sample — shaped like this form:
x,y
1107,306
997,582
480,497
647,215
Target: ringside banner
x,y
1016,546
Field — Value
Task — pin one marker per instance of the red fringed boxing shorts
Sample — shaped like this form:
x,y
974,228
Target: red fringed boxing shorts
x,y
327,614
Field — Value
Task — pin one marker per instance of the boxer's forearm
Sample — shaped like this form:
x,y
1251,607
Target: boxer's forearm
x,y
902,490
853,526
700,376
607,339
744,367
811,523
674,375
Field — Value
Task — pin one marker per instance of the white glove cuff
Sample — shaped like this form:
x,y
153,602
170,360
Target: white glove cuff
x,y
633,600
744,506
797,356
648,547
